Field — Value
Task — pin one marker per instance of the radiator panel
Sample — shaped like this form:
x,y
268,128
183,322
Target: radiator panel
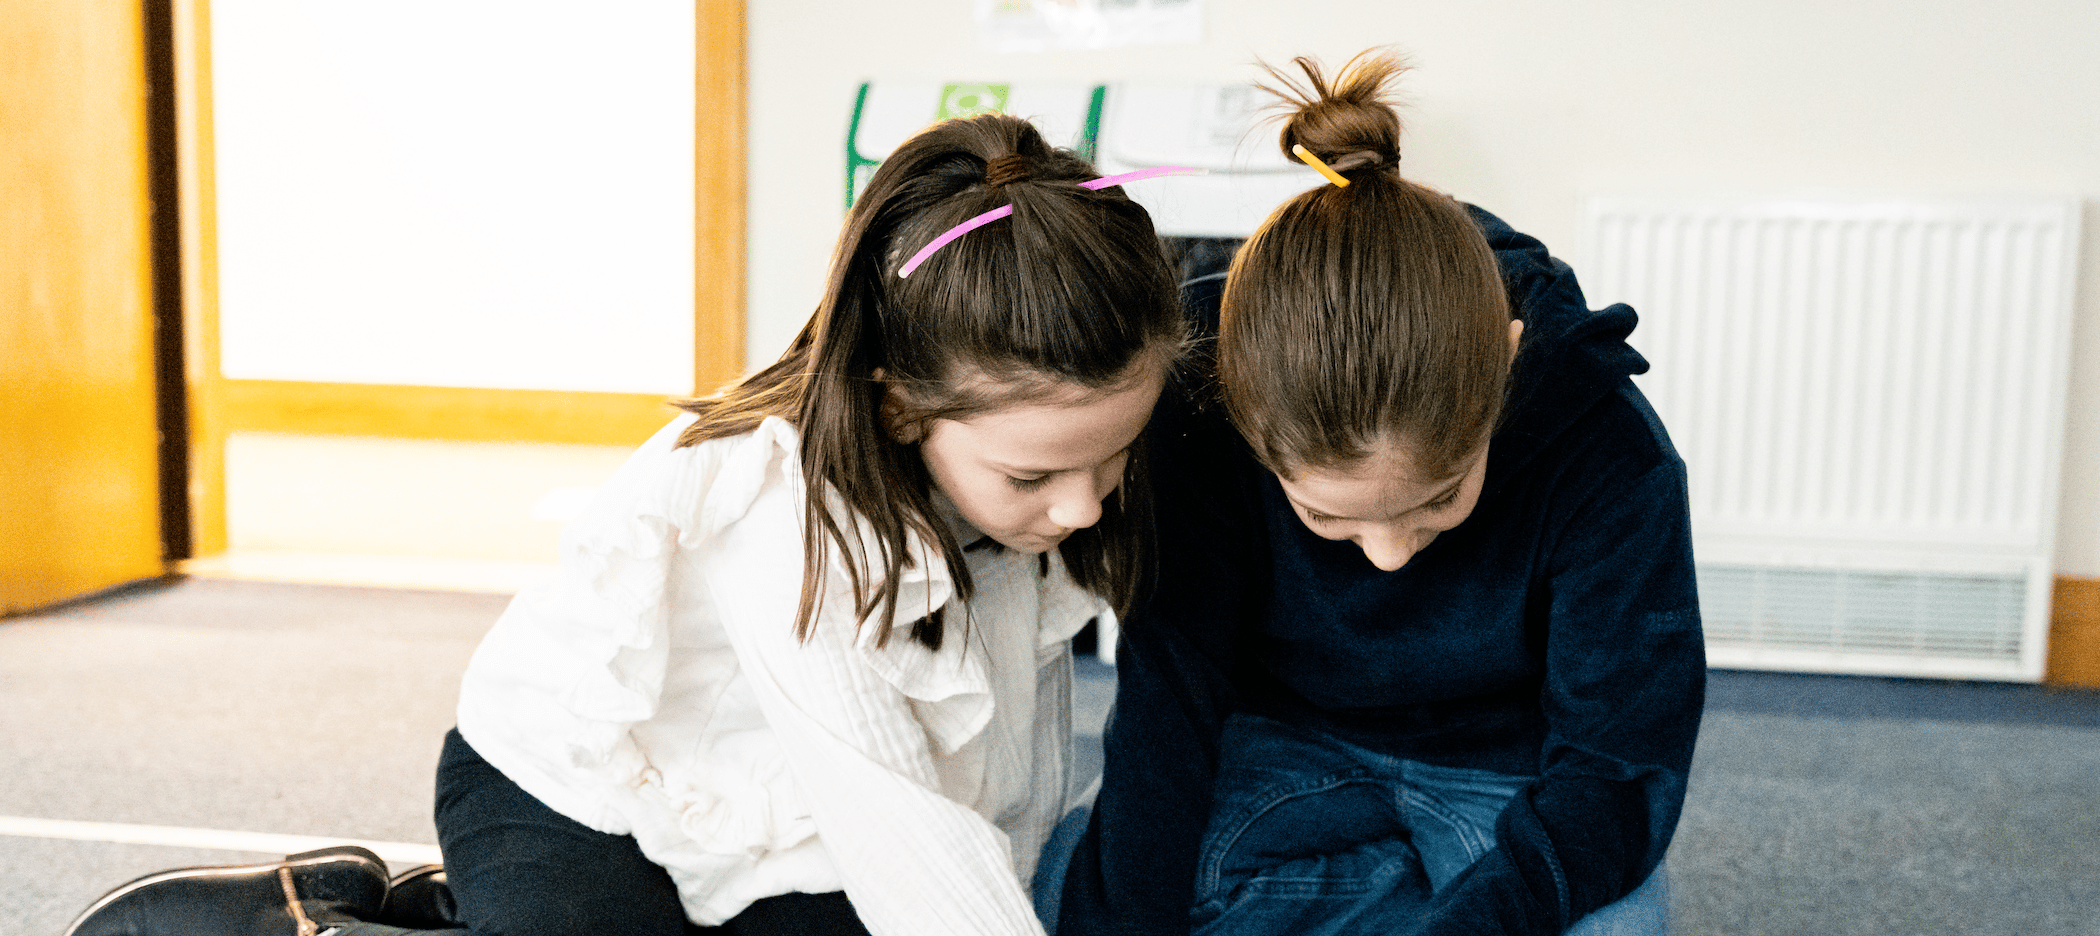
x,y
1877,384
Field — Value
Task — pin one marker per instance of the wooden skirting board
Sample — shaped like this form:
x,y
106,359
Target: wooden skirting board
x,y
2074,634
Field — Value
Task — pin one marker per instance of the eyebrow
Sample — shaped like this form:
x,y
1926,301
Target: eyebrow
x,y
998,465
1433,498
1018,468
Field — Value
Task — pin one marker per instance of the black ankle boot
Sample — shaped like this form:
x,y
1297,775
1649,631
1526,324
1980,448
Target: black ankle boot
x,y
303,895
420,898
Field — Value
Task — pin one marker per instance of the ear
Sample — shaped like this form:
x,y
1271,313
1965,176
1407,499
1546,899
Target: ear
x,y
1516,334
892,411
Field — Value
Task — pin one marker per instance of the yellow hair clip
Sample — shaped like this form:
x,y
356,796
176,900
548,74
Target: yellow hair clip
x,y
1314,161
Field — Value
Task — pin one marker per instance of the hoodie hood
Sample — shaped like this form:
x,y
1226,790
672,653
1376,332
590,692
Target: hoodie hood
x,y
1569,358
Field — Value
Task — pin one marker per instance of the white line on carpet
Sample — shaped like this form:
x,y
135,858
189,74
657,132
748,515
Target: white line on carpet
x,y
224,840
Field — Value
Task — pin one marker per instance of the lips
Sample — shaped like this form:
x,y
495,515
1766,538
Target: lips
x,y
1038,541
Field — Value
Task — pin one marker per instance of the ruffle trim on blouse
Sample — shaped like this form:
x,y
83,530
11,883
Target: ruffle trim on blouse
x,y
738,815
950,688
624,558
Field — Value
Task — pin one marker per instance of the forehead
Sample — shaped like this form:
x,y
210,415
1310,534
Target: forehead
x,y
1059,425
1384,482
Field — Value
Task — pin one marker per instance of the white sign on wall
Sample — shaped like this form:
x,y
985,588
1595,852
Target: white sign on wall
x,y
1214,126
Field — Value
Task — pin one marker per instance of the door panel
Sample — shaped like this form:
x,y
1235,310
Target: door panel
x,y
79,460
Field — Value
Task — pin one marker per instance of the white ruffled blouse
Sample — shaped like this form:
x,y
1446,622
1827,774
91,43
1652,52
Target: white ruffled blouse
x,y
656,688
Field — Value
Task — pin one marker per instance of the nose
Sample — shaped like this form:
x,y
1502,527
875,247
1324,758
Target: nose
x,y
1387,549
1077,504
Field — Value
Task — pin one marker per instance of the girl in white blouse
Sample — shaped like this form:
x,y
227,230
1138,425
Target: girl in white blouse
x,y
806,667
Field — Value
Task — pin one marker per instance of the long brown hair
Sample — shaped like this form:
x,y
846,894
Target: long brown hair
x,y
1072,288
1361,314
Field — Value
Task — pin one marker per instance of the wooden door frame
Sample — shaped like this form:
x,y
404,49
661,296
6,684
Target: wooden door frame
x,y
219,407
720,191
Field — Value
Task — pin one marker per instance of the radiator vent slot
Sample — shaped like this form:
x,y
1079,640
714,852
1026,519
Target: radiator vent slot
x,y
1969,617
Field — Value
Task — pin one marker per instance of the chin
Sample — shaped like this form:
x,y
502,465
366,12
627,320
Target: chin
x,y
1028,543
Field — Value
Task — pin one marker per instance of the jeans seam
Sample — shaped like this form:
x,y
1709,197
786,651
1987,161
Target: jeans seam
x,y
1560,884
1241,820
1464,831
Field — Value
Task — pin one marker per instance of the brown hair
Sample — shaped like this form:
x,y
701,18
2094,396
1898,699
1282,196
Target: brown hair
x,y
1072,288
1366,313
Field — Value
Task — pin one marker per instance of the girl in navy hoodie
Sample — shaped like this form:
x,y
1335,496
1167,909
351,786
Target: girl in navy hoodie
x,y
1421,651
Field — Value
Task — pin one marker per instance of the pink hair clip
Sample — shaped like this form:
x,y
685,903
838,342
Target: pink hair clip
x,y
1004,210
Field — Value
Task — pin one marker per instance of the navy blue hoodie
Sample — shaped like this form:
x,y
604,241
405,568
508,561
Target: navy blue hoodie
x,y
1555,632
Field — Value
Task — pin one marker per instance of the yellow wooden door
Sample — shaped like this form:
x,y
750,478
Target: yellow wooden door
x,y
79,463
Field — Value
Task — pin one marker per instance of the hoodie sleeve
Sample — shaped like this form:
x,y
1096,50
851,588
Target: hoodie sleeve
x,y
1134,870
1624,687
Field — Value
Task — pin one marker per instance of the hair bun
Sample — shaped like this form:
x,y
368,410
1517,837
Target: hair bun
x,y
1006,170
1348,122
1356,159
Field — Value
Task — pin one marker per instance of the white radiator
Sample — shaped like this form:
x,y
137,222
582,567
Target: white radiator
x,y
1870,400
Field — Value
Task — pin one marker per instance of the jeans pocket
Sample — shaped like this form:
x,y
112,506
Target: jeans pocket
x,y
1304,853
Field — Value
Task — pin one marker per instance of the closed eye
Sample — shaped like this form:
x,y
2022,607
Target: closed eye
x,y
1450,497
1027,484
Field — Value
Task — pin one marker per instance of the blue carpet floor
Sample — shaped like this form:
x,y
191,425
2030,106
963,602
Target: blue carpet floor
x,y
1818,806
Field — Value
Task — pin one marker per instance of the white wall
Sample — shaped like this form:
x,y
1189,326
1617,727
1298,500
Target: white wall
x,y
1529,106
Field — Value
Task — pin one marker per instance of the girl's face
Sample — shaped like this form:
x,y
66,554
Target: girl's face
x,y
1382,504
1029,474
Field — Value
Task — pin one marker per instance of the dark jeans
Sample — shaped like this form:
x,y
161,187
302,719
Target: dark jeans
x,y
1314,836
518,868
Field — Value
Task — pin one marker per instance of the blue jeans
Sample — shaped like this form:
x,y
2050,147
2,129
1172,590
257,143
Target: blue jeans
x,y
1049,884
1312,835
